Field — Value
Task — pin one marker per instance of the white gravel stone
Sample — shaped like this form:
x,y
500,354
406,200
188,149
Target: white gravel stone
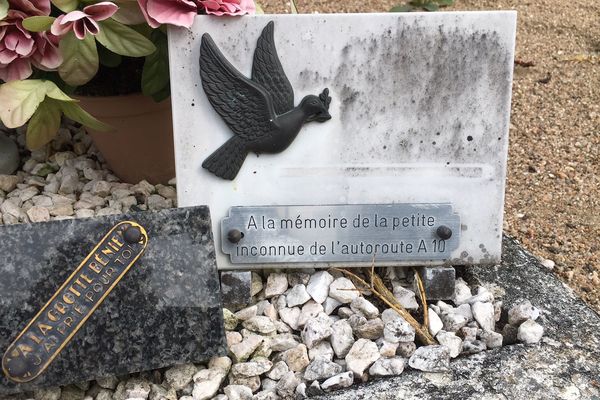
x,y
38,214
283,342
157,202
406,349
364,307
260,324
269,384
387,367
276,284
296,358
484,315
300,391
431,359
492,340
257,366
278,370
371,329
246,347
330,305
316,329
530,332
297,296
101,188
340,381
521,312
290,316
322,350
398,330
453,322
320,369
309,310
247,313
251,382
342,338
451,341
180,376
405,297
483,296
435,323
548,263
464,310
8,182
287,385
360,357
343,290
223,363
207,383
238,392
318,286
386,349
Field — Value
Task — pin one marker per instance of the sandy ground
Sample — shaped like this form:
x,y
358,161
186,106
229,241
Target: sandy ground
x,y
553,189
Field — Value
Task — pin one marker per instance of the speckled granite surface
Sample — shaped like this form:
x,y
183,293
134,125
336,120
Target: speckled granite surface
x,y
166,310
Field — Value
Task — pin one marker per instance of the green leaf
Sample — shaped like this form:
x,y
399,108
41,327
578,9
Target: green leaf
x,y
402,8
76,113
38,24
163,94
108,58
80,59
129,13
431,6
54,92
259,9
19,101
43,125
293,7
66,5
123,40
3,9
445,3
155,75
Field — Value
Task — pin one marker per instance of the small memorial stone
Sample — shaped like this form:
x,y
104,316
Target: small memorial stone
x,y
174,283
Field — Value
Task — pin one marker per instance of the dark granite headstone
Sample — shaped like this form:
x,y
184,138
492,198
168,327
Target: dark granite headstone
x,y
166,310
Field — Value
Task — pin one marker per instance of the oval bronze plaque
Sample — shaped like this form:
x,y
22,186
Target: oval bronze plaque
x,y
74,302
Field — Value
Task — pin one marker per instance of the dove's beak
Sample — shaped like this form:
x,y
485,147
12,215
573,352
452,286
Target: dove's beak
x,y
323,116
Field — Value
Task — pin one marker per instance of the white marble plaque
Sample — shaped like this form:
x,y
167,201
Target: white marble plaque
x,y
420,114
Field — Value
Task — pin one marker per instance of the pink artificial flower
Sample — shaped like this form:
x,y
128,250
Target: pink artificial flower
x,y
19,48
228,7
174,12
86,21
31,7
183,12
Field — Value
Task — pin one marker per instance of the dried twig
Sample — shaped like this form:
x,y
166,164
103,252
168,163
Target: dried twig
x,y
383,293
423,298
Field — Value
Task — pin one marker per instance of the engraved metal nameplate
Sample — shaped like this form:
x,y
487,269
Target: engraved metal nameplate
x,y
74,302
340,233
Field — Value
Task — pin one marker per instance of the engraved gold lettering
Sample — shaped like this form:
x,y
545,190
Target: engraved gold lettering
x,y
95,267
80,308
34,338
68,298
51,316
86,278
64,314
98,257
60,307
44,328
